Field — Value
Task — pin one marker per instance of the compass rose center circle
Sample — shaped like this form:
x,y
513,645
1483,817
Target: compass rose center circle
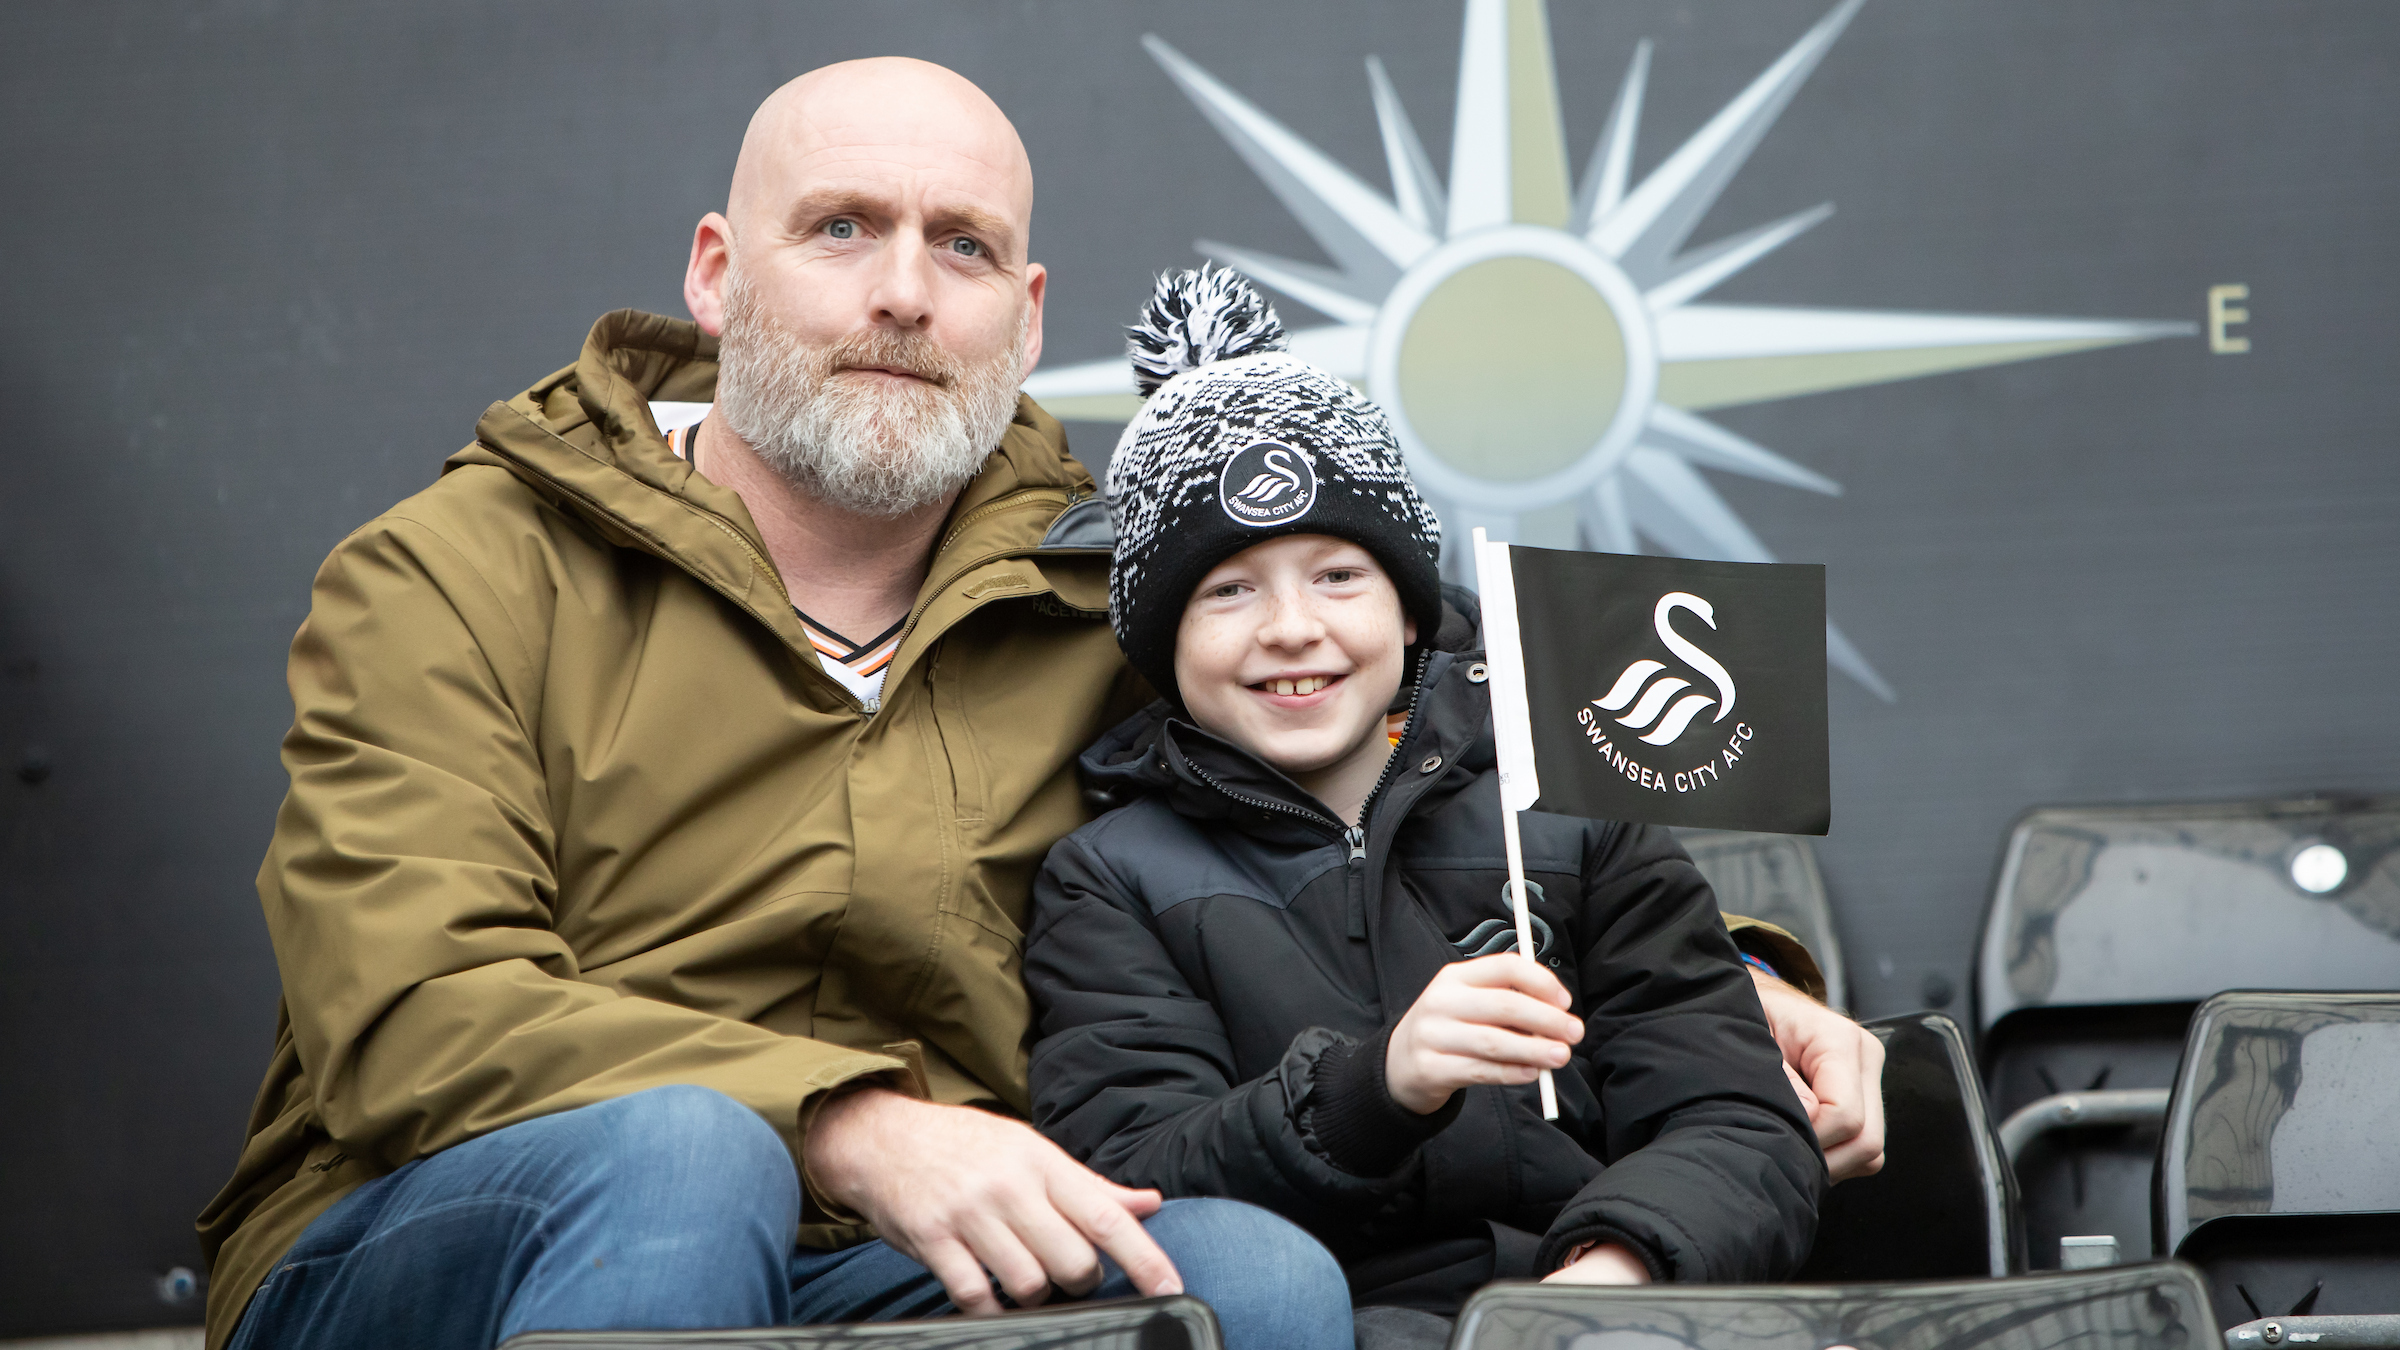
x,y
1518,364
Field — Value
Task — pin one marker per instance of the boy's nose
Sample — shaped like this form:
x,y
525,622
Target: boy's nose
x,y
1291,622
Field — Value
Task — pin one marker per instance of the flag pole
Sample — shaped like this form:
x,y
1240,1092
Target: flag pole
x,y
1516,890
1512,733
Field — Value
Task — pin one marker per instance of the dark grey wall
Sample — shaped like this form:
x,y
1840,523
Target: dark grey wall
x,y
266,263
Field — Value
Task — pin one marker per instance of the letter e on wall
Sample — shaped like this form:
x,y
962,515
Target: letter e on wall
x,y
2223,314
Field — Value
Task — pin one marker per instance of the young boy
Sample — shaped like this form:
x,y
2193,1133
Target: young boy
x,y
1284,969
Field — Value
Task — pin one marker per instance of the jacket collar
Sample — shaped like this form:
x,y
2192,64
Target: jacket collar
x,y
584,439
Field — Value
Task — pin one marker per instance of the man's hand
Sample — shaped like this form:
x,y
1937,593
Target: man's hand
x,y
1495,1019
963,1192
1836,1066
1607,1263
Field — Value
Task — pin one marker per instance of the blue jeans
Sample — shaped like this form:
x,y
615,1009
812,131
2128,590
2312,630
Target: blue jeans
x,y
677,1207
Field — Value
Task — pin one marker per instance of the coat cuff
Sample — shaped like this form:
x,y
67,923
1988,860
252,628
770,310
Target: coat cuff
x,y
906,1077
1359,1127
1558,1248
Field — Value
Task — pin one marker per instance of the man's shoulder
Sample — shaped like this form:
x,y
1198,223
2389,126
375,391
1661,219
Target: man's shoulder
x,y
484,512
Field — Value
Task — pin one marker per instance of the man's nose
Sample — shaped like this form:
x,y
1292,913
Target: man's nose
x,y
902,293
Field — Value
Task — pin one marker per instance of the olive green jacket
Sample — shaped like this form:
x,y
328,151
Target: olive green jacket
x,y
576,812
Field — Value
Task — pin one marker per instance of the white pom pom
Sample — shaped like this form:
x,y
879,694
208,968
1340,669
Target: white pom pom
x,y
1196,317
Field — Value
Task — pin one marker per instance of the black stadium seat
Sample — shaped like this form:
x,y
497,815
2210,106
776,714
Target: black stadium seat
x,y
1177,1323
2158,1306
1943,1206
2108,925
1773,877
2280,1178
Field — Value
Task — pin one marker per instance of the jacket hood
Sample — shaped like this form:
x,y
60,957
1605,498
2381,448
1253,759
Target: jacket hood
x,y
1161,750
585,439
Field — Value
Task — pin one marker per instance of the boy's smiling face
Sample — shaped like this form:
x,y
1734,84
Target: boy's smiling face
x,y
1292,649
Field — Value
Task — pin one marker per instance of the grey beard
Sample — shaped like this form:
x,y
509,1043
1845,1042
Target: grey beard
x,y
849,440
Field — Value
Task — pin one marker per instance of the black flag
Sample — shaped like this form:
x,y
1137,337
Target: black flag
x,y
1668,690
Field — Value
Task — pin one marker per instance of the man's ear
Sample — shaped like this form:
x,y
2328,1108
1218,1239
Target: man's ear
x,y
1037,284
704,275
1408,629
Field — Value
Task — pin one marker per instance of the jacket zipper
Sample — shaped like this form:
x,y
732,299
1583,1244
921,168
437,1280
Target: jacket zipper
x,y
1353,836
1264,804
1416,690
1356,835
1356,838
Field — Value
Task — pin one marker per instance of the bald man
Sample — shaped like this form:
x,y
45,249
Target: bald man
x,y
665,798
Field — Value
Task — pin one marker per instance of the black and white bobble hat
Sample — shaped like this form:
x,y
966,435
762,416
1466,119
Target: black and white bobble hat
x,y
1240,442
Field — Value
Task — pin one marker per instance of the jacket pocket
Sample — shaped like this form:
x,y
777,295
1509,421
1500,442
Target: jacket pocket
x,y
954,730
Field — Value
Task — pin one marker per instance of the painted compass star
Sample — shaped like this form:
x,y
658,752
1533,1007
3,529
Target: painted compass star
x,y
1538,343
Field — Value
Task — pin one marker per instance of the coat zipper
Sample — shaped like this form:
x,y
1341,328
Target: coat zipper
x,y
1356,835
1356,838
1263,803
1416,690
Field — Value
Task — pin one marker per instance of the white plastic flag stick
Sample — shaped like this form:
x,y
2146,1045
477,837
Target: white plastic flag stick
x,y
1512,733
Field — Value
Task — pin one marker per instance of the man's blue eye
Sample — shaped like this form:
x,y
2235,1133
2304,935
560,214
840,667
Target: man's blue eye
x,y
842,229
966,248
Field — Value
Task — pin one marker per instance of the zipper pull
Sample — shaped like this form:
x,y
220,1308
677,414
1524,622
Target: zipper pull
x,y
1356,838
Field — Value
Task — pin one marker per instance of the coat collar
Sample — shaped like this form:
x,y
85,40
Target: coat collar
x,y
584,439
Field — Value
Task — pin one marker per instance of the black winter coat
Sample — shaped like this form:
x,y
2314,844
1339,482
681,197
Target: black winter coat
x,y
1216,966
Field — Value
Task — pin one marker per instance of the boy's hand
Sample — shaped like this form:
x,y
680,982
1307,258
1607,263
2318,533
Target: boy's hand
x,y
1605,1263
965,1192
1495,1019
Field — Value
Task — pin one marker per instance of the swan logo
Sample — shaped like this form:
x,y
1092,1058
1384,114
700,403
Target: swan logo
x,y
1269,483
1658,708
1656,711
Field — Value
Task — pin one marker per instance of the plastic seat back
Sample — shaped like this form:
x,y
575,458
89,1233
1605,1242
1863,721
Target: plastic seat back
x,y
2108,925
1944,1204
1177,1323
2280,1175
2130,905
1773,877
2122,1308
